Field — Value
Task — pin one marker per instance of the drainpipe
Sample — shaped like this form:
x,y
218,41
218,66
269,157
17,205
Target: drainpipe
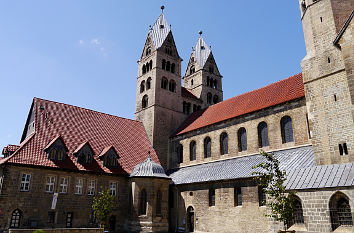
x,y
177,210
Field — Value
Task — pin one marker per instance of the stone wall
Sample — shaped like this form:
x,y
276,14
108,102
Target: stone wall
x,y
60,230
272,116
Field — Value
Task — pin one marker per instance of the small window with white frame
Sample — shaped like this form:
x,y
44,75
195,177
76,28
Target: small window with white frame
x,y
64,181
79,186
25,182
113,188
50,184
91,187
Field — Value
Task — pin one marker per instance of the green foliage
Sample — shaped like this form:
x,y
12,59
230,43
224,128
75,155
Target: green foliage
x,y
38,231
271,179
102,206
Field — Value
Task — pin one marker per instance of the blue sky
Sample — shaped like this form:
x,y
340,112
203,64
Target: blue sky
x,y
85,52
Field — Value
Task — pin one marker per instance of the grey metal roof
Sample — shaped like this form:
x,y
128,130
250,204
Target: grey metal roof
x,y
298,162
148,168
159,31
201,52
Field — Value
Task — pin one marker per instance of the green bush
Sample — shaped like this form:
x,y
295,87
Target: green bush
x,y
38,231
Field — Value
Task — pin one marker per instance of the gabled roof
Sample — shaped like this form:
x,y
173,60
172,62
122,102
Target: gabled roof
x,y
201,52
105,150
76,125
271,95
188,94
82,145
159,31
53,141
9,148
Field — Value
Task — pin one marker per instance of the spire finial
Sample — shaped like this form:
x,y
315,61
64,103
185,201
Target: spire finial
x,y
200,32
162,7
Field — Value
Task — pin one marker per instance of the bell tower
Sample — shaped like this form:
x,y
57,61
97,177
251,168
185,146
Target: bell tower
x,y
326,81
158,93
202,76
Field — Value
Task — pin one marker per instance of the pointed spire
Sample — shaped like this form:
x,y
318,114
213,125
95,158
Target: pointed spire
x,y
159,30
201,51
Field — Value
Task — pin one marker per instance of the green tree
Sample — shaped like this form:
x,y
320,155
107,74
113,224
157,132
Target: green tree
x,y
271,179
102,206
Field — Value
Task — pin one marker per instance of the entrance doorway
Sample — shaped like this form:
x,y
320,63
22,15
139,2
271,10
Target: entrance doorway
x,y
112,223
190,219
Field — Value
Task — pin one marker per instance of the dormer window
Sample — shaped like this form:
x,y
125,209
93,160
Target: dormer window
x,y
84,153
202,47
109,156
162,26
56,149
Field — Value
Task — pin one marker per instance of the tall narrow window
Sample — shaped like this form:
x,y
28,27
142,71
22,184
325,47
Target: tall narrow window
x,y
150,64
15,219
208,81
263,134
148,83
242,139
238,196
145,101
142,86
79,185
345,148
215,85
25,182
224,143
69,219
143,202
50,184
168,66
209,98
113,188
158,203
340,211
211,197
180,153
261,196
298,215
286,129
163,64
173,68
172,86
164,83
207,147
64,185
340,149
215,99
211,82
192,70
147,67
144,69
91,187
192,150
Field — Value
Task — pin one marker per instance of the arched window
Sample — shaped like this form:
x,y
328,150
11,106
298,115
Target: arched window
x,y
286,129
142,86
340,211
147,67
207,147
144,69
208,81
180,153
15,219
168,66
298,215
173,67
192,151
145,101
172,86
143,203
211,82
150,64
163,64
211,197
242,139
224,143
148,51
158,203
263,134
164,83
192,70
148,83
215,99
209,97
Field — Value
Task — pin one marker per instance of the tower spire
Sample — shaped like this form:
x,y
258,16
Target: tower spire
x,y
162,7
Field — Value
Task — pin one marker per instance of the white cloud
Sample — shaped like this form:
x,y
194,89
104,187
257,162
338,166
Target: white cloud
x,y
81,42
94,43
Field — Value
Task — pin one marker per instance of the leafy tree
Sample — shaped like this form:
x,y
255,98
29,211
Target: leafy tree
x,y
271,179
102,206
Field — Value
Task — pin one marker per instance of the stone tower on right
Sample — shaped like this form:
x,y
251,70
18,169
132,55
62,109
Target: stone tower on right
x,y
328,78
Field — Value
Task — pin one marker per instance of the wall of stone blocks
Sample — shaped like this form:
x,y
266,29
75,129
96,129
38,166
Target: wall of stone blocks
x,y
272,116
36,203
60,230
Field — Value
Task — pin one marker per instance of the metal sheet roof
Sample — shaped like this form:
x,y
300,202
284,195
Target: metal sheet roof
x,y
298,162
148,168
201,52
159,31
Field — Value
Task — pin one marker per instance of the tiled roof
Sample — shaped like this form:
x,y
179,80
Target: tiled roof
x,y
77,125
188,94
302,173
273,94
201,52
159,31
10,148
241,167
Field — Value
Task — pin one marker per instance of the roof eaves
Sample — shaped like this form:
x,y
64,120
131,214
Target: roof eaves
x,y
340,34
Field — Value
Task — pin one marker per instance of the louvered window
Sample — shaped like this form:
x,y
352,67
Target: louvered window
x,y
192,150
263,134
242,139
224,144
207,147
286,129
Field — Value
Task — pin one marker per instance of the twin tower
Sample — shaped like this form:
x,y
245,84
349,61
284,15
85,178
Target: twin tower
x,y
162,103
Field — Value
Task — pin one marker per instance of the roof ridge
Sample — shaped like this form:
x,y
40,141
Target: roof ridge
x,y
86,109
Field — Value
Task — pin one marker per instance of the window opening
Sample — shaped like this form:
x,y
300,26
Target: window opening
x,y
142,86
148,83
224,141
261,196
192,151
25,182
345,148
143,202
91,187
263,140
145,101
242,139
15,219
340,149
211,197
207,147
50,184
158,203
69,219
238,196
113,188
63,185
286,129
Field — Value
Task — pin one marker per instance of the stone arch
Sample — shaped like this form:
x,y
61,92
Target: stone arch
x,y
145,101
340,210
15,220
148,83
190,223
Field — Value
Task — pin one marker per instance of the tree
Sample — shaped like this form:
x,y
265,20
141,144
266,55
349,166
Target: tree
x,y
271,179
102,206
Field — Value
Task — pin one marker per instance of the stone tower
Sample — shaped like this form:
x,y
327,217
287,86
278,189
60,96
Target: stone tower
x,y
202,75
326,81
158,93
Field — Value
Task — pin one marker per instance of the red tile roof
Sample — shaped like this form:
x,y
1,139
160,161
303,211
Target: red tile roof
x,y
188,93
10,148
273,94
77,125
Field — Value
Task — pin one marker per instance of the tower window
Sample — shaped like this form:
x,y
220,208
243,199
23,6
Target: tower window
x,y
150,64
168,66
192,82
211,82
345,148
215,99
192,70
142,86
164,83
321,19
148,83
202,47
148,51
211,69
329,60
145,101
335,97
162,26
303,6
173,67
208,81
172,86
215,84
144,69
163,64
209,98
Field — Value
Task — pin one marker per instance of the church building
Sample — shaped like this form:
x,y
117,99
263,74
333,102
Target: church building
x,y
185,163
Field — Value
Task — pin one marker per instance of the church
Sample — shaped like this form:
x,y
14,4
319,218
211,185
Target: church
x,y
185,163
